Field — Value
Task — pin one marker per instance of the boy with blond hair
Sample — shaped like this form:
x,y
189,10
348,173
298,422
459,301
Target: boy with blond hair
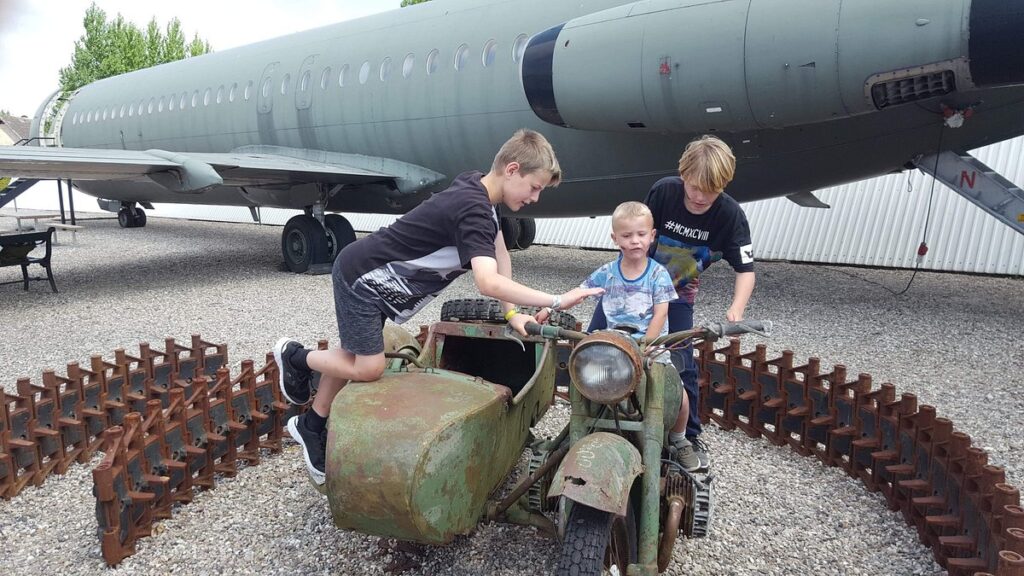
x,y
396,271
637,293
698,224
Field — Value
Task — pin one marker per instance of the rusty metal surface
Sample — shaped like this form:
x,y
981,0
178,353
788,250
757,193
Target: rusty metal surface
x,y
598,471
630,351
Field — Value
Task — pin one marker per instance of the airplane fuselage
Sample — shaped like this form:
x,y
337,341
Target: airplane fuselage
x,y
439,85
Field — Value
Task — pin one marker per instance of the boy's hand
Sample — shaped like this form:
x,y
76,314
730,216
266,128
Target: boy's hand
x,y
577,295
734,314
519,322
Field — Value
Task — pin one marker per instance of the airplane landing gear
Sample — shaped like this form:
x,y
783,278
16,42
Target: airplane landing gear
x,y
518,233
131,217
306,243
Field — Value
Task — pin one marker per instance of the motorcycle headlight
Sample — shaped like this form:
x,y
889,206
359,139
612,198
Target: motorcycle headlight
x,y
605,367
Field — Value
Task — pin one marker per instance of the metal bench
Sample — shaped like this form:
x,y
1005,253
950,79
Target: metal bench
x,y
15,250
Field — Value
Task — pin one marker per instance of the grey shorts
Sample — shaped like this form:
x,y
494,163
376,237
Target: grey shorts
x,y
360,322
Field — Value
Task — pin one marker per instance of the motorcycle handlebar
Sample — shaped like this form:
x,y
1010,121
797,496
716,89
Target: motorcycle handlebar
x,y
761,327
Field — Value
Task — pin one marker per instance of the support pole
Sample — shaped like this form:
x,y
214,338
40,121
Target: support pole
x,y
60,200
71,200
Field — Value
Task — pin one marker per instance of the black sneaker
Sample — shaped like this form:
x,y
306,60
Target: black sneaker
x,y
314,448
294,383
700,448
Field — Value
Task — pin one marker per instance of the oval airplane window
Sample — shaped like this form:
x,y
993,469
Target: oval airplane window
x,y
385,68
231,92
184,99
284,83
461,54
131,110
122,110
206,97
519,47
170,102
195,98
342,74
248,90
104,113
304,81
325,78
151,106
160,105
490,53
364,72
88,116
220,94
265,90
408,65
432,61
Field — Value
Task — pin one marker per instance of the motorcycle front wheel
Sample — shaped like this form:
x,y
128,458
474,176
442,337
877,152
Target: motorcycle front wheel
x,y
597,542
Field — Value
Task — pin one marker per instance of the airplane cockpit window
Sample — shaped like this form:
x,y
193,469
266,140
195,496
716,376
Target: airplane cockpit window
x,y
325,78
519,47
408,65
490,53
364,72
460,57
385,68
284,84
342,74
432,61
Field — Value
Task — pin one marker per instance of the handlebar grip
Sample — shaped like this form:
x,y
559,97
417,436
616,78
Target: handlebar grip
x,y
533,329
745,326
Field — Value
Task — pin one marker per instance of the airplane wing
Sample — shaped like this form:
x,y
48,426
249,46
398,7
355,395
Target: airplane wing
x,y
197,172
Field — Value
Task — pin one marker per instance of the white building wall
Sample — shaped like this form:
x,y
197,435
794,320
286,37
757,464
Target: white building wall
x,y
878,222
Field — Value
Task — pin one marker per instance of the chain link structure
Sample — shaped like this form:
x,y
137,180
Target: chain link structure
x,y
170,422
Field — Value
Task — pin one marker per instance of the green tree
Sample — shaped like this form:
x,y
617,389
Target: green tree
x,y
411,2
113,47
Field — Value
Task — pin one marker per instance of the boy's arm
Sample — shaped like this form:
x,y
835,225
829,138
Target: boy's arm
x,y
742,289
492,283
659,315
504,265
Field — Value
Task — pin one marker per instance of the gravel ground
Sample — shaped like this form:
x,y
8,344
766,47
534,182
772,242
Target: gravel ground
x,y
952,339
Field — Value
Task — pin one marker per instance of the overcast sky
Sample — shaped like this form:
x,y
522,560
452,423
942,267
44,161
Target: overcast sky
x,y
37,36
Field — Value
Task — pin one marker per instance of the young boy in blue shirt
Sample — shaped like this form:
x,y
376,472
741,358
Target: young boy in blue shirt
x,y
637,292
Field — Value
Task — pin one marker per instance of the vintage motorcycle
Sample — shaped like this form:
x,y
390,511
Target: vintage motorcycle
x,y
421,454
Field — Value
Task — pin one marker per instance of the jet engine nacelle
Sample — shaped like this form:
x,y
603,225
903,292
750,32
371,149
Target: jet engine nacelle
x,y
735,65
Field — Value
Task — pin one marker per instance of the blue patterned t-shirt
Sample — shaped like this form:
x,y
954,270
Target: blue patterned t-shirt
x,y
630,303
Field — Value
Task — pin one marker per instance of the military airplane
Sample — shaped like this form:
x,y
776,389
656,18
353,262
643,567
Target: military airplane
x,y
373,115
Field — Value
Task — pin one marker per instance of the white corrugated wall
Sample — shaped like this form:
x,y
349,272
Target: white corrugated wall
x,y
877,222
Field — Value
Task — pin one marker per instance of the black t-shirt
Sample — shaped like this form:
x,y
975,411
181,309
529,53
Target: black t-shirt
x,y
401,268
688,243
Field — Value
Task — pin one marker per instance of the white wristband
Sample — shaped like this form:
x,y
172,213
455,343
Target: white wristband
x,y
556,303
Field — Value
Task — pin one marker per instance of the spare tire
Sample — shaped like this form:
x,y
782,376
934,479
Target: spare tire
x,y
489,310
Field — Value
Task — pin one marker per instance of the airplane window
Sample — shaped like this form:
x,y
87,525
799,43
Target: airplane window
x,y
160,105
490,53
152,104
265,90
342,74
407,66
248,90
325,78
131,110
121,115
184,97
460,57
171,101
74,118
220,94
284,83
519,47
206,97
231,92
104,113
364,72
195,98
385,68
304,81
432,61
88,116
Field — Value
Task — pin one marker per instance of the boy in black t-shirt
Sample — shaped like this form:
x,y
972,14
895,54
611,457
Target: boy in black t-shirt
x,y
397,270
698,224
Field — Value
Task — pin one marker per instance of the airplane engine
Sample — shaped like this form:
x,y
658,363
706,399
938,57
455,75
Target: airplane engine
x,y
678,66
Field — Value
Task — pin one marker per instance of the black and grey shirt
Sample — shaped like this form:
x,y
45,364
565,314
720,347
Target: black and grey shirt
x,y
402,268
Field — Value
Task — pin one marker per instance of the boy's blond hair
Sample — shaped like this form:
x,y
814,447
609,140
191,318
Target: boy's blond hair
x,y
631,209
707,163
532,151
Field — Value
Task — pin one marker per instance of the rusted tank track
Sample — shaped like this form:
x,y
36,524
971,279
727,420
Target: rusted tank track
x,y
171,421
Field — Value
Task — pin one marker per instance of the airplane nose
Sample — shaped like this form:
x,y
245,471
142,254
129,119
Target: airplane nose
x,y
996,55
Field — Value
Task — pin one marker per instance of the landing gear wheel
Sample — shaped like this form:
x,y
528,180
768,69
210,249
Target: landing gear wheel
x,y
488,310
596,540
125,218
527,233
510,230
340,234
303,243
140,217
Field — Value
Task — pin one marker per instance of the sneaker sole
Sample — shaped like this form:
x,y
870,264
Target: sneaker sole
x,y
316,477
278,351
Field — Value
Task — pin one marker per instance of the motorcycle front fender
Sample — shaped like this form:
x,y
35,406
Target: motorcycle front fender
x,y
598,471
